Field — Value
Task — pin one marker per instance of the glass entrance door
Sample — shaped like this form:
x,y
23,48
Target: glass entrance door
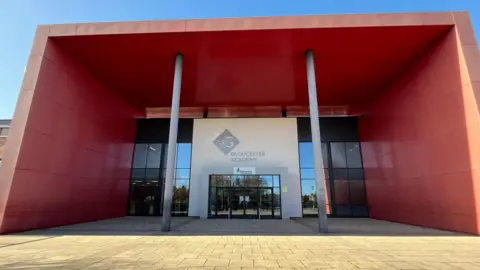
x,y
252,201
244,203
265,202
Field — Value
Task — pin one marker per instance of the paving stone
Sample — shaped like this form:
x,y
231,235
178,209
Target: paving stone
x,y
116,245
217,262
265,263
241,263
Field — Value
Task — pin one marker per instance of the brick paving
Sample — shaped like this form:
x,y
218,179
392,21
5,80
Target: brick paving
x,y
130,243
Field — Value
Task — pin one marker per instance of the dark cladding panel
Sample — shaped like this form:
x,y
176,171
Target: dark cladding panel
x,y
157,130
341,129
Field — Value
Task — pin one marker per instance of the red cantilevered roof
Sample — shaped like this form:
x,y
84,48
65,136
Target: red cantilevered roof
x,y
229,65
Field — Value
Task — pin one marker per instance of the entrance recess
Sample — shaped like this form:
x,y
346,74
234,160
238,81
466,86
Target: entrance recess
x,y
245,196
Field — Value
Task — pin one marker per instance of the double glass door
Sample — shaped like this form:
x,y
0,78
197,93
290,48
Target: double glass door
x,y
244,202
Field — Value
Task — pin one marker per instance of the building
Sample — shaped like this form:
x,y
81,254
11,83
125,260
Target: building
x,y
4,128
394,97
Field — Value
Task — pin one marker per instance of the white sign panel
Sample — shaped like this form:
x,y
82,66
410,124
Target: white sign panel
x,y
243,170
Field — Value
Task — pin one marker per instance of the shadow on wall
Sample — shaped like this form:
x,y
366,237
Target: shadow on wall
x,y
420,144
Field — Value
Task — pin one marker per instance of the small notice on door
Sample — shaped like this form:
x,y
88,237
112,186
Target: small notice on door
x,y
284,189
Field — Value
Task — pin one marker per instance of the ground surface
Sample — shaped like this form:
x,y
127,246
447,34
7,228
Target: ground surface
x,y
137,243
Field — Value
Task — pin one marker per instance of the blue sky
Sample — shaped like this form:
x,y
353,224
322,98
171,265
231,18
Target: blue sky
x,y
18,19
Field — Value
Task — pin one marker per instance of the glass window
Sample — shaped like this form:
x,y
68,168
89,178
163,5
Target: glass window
x,y
4,131
238,180
340,174
184,152
307,173
359,210
277,207
276,181
266,181
354,159
222,180
355,174
152,173
357,193
306,155
251,181
182,173
147,176
325,155
342,192
140,155
338,155
344,210
347,169
138,173
154,154
309,200
144,199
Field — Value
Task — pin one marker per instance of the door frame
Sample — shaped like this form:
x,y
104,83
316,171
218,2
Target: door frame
x,y
257,189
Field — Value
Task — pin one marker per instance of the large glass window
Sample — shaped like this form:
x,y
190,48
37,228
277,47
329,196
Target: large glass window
x,y
148,179
307,176
344,181
182,179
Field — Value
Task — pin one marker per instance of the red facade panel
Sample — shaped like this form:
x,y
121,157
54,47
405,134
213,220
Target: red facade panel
x,y
420,148
73,163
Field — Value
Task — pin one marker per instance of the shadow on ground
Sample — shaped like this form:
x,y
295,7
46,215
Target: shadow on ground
x,y
186,226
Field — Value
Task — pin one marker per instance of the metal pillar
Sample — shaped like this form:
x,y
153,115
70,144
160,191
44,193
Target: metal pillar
x,y
172,144
317,144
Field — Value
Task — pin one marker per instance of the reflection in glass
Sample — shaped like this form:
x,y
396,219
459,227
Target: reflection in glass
x,y
306,155
354,159
251,180
266,181
346,161
355,174
148,176
307,173
344,210
140,156
182,173
342,192
154,154
309,201
276,181
184,152
338,155
238,180
180,198
357,193
340,174
138,174
152,174
144,198
277,207
248,196
266,202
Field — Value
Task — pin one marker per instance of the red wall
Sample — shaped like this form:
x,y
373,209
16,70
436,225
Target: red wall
x,y
72,160
421,146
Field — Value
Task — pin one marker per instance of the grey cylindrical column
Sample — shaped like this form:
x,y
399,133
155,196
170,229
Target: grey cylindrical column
x,y
317,144
172,144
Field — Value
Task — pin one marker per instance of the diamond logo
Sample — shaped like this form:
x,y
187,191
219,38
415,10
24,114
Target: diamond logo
x,y
226,141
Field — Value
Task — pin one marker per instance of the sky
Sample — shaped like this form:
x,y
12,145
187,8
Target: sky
x,y
19,18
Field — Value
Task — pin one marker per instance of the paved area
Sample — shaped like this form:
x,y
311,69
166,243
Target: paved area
x,y
132,243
